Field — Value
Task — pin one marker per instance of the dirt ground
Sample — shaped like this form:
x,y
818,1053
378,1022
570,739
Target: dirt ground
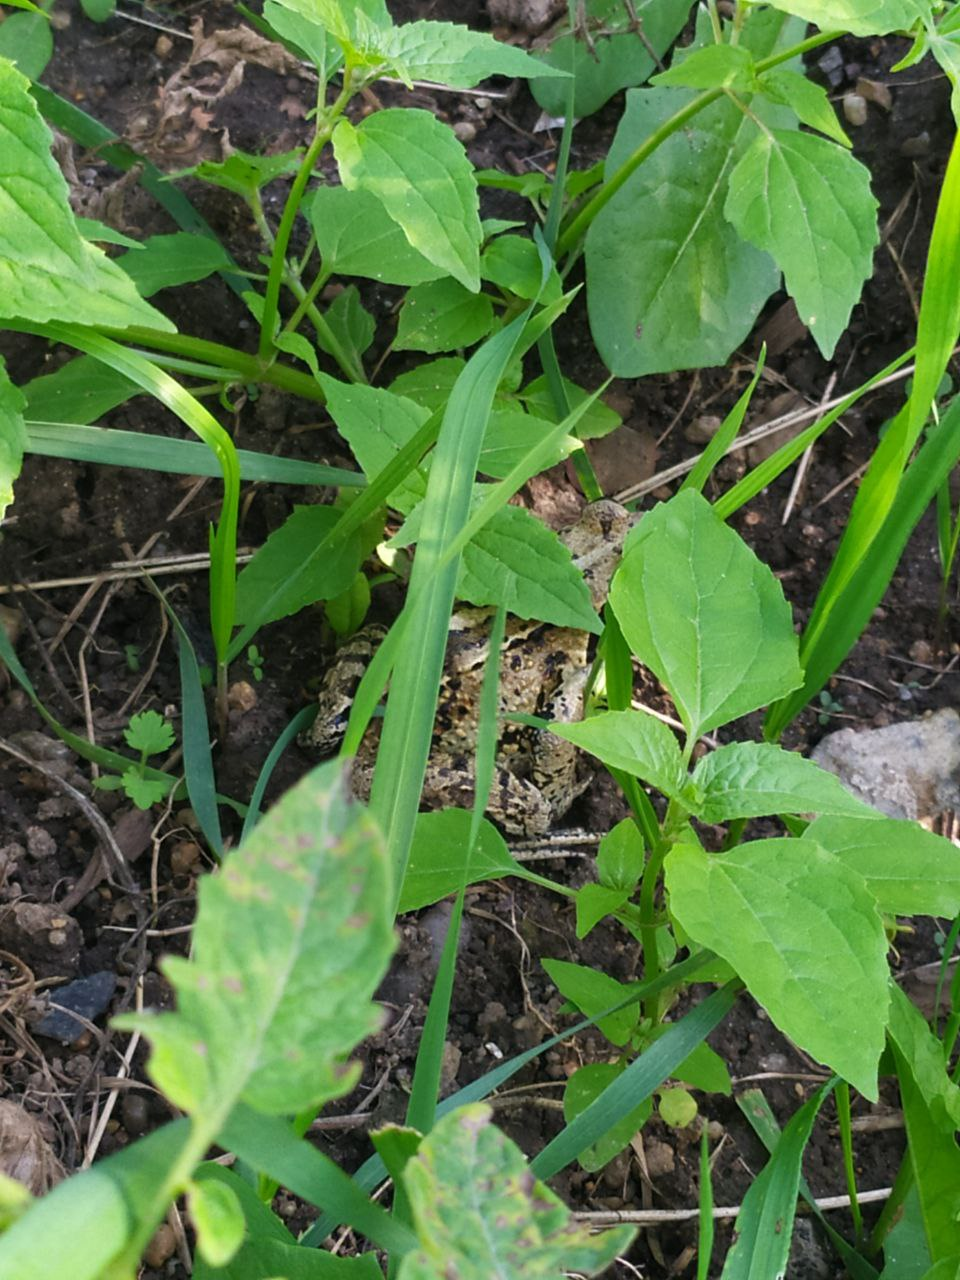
x,y
98,652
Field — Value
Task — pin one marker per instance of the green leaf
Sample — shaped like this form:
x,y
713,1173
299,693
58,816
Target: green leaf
x,y
291,939
716,64
634,741
721,653
376,424
100,233
351,324
47,269
908,870
585,1086
451,54
356,236
859,17
442,316
809,204
594,902
677,1107
478,1213
430,383
809,101
13,436
593,992
292,559
242,173
764,1226
516,561
144,792
417,169
513,263
620,856
218,1219
702,1069
162,262
306,36
439,852
804,933
26,39
98,10
749,779
693,293
598,420
620,59
81,391
357,23
510,436
150,733
916,1044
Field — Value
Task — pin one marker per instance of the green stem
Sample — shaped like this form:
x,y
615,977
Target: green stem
x,y
893,1208
571,237
648,927
248,368
842,1096
278,263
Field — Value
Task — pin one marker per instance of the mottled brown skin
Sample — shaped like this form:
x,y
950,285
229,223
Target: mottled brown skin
x,y
543,672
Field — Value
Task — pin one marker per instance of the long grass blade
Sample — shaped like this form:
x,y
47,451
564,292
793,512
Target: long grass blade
x,y
113,448
727,433
705,1222
299,722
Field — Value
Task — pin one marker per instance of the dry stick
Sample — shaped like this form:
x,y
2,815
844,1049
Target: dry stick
x,y
96,1136
801,472
751,437
658,1217
186,564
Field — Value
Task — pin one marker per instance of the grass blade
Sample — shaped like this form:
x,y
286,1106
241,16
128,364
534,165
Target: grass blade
x,y
114,448
765,1221
705,1235
639,1080
299,722
722,441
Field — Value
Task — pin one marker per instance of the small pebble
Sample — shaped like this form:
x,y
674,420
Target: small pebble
x,y
184,857
241,696
465,130
164,47
854,109
161,1247
135,1112
916,148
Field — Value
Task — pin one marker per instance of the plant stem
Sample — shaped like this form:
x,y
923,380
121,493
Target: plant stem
x,y
290,209
575,231
842,1097
648,927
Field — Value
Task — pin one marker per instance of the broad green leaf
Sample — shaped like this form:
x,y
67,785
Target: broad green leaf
x,y
357,237
351,324
376,424
98,10
100,233
916,1044
592,992
594,902
704,614
677,1107
808,203
598,420
905,1252
13,436
218,1220
243,173
910,871
163,262
414,165
634,741
513,263
510,436
808,100
144,792
859,17
305,35
149,733
291,939
946,49
764,1225
47,270
355,22
584,1086
516,561
702,1069
804,933
438,858
749,779
442,316
478,1212
430,383
716,64
620,857
618,60
451,54
670,284
26,39
290,558
935,1159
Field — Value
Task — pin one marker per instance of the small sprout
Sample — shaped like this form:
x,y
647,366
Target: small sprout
x,y
255,659
131,653
149,733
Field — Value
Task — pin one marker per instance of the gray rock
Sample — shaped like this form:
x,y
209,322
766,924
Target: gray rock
x,y
908,770
810,1259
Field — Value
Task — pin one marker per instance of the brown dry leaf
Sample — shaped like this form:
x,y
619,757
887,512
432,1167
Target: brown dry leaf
x,y
25,1151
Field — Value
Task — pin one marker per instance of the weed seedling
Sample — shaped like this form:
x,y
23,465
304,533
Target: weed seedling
x,y
150,734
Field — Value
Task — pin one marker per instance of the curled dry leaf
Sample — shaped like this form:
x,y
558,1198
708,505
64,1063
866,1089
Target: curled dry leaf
x,y
25,1151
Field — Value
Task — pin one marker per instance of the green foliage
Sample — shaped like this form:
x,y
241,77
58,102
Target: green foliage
x,y
151,735
13,436
475,1208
